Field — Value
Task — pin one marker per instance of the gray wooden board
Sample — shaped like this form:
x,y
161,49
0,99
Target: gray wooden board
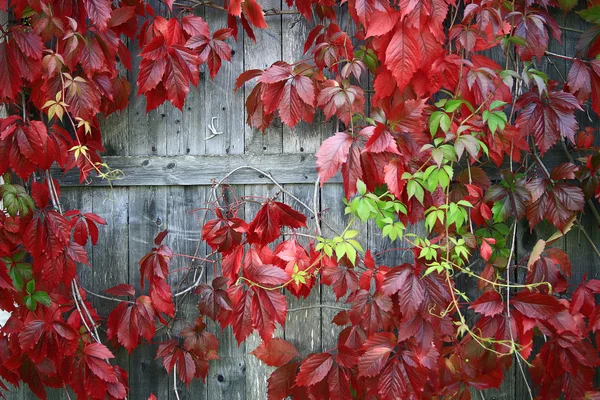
x,y
227,375
295,167
263,53
146,375
168,165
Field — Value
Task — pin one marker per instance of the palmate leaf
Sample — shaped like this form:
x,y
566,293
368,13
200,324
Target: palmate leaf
x,y
266,225
548,118
276,352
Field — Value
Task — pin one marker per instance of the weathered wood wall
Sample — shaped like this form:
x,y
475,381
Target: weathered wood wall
x,y
169,167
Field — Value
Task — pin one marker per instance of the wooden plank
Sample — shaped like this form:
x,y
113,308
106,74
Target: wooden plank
x,y
332,209
202,170
148,170
110,255
147,131
227,375
147,217
221,103
257,372
263,53
303,327
184,238
304,137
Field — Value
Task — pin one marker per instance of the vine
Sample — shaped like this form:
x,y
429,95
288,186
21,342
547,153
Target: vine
x,y
442,137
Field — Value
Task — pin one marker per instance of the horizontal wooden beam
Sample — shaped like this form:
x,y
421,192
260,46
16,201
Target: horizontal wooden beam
x,y
202,170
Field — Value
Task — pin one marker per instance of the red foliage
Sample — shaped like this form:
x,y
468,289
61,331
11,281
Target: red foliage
x,y
419,148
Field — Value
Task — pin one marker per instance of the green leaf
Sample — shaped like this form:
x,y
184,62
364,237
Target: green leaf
x,y
591,14
361,187
16,200
350,234
438,156
30,303
434,121
363,211
413,188
31,287
445,123
452,105
351,253
42,298
497,103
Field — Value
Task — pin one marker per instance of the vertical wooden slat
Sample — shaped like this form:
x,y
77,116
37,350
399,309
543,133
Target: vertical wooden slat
x,y
262,54
227,375
147,218
304,137
183,238
332,209
303,327
221,102
256,371
111,254
147,131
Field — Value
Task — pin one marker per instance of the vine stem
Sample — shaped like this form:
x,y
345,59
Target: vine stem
x,y
317,306
561,56
315,211
268,175
77,299
100,296
196,283
508,317
175,381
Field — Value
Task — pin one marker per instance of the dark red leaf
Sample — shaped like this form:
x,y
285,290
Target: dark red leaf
x,y
276,352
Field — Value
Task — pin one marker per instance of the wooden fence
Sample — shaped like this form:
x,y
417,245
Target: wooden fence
x,y
169,166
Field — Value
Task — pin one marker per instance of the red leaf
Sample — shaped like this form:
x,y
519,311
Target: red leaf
x,y
403,56
381,22
95,356
212,51
266,226
247,76
268,307
332,154
213,299
580,81
314,369
411,295
254,13
267,274
29,42
537,305
281,381
340,278
549,119
378,348
486,248
489,304
194,25
380,139
10,77
121,290
396,278
276,352
242,317
162,299
155,265
224,234
99,12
